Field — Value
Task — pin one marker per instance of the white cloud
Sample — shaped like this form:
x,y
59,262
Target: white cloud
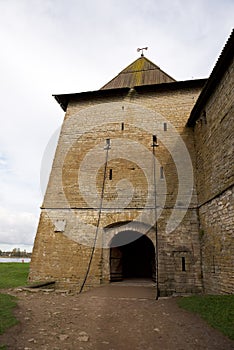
x,y
63,46
17,227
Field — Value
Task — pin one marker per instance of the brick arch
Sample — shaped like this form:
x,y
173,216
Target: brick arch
x,y
113,229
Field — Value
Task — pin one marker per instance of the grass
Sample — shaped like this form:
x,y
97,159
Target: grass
x,y
13,274
7,318
217,310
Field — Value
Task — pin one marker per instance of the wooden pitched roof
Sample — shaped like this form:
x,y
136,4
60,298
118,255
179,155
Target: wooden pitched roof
x,y
141,72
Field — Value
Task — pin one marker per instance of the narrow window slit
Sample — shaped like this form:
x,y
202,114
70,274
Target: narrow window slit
x,y
110,174
213,261
161,173
183,263
204,117
165,126
122,126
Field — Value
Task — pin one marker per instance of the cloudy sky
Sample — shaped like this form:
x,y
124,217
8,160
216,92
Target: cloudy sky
x,y
62,46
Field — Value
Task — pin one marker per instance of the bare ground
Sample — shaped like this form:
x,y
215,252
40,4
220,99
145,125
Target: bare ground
x,y
113,317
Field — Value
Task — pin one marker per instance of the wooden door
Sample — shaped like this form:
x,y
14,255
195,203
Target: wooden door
x,y
116,265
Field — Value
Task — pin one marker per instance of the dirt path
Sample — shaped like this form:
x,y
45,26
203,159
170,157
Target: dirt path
x,y
108,318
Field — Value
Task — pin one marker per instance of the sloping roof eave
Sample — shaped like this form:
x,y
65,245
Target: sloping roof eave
x,y
219,69
63,99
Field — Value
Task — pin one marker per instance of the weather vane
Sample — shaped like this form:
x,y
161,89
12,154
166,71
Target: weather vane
x,y
143,48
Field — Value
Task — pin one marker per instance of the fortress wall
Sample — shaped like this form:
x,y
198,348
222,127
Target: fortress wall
x,y
215,181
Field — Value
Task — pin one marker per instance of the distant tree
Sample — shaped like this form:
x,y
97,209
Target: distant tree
x,y
13,253
16,252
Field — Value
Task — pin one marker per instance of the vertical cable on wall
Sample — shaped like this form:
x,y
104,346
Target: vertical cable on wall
x,y
154,145
107,147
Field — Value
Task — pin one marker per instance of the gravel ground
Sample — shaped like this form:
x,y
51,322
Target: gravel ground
x,y
113,317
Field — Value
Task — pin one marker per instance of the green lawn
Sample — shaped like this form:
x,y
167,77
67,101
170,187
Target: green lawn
x,y
217,310
13,274
7,318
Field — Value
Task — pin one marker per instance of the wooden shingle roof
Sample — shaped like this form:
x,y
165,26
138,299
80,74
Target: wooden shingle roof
x,y
141,72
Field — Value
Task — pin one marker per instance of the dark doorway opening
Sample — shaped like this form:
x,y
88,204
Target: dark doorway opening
x,y
132,255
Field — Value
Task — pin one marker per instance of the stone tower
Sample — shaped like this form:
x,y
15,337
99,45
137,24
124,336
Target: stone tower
x,y
121,201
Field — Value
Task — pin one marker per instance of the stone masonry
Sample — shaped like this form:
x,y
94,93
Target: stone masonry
x,y
64,256
176,196
215,185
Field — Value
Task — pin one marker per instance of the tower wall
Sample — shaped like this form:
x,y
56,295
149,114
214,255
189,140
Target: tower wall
x,y
70,210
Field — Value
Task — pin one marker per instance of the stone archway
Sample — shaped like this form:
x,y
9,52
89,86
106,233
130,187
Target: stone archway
x,y
132,255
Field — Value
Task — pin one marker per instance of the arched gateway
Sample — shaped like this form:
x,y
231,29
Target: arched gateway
x,y
132,255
